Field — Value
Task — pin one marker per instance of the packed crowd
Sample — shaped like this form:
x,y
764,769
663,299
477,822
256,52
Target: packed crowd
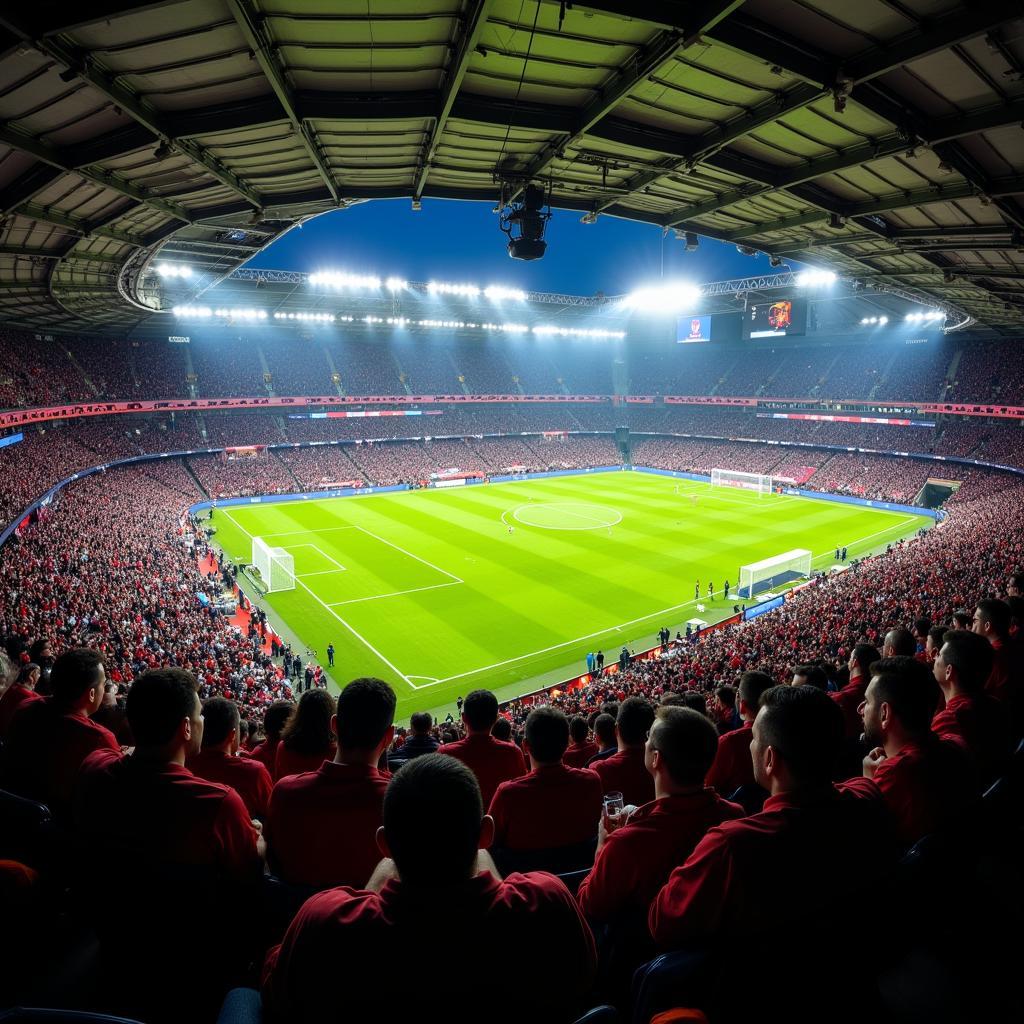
x,y
48,370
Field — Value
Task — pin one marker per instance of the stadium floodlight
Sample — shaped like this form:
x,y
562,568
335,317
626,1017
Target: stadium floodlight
x,y
670,297
815,278
497,292
925,314
315,317
241,314
174,270
192,311
576,332
396,284
342,279
397,321
469,291
883,319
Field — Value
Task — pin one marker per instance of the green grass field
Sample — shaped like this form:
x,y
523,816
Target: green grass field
x,y
430,590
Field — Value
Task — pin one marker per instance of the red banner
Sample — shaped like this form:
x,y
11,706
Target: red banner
x,y
707,400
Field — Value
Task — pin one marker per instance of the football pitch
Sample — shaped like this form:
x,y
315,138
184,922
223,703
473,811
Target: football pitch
x,y
508,586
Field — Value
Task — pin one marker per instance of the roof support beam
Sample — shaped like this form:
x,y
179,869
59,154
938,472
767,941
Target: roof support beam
x,y
253,28
700,17
476,18
67,253
89,71
82,228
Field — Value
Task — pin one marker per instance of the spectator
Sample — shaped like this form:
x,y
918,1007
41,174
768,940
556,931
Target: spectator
x,y
925,781
604,734
306,739
992,620
502,729
851,696
218,760
491,761
732,766
274,720
491,929
323,824
582,748
420,741
636,855
811,845
21,691
49,739
899,642
971,717
552,806
625,771
810,675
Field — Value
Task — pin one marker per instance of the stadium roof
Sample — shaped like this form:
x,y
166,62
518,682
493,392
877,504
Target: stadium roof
x,y
881,138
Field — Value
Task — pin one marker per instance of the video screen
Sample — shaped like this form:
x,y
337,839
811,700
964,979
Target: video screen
x,y
774,319
693,328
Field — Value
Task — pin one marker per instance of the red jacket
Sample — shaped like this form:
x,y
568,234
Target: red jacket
x,y
492,761
248,778
578,756
322,827
552,806
733,766
624,772
290,762
14,697
849,699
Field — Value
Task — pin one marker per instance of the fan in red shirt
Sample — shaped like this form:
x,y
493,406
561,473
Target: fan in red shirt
x,y
554,806
218,760
851,696
175,839
22,691
49,739
971,717
992,620
637,852
274,720
812,846
582,748
440,902
625,772
732,766
925,781
491,761
306,739
322,829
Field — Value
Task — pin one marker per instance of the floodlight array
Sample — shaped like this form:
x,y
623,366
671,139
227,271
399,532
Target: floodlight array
x,y
576,332
925,314
881,320
497,292
446,288
396,284
815,278
173,270
341,279
670,297
317,317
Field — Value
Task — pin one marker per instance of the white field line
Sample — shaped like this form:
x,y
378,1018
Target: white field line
x,y
436,568
642,618
297,533
396,593
315,547
316,597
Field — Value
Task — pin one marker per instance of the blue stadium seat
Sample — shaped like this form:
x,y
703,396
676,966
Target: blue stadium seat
x,y
750,797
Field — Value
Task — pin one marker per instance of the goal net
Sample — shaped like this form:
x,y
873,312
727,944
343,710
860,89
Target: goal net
x,y
771,572
275,566
761,483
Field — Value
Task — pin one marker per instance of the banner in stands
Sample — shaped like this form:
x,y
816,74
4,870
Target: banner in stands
x,y
829,418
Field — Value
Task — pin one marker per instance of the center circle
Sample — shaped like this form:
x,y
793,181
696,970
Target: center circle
x,y
566,515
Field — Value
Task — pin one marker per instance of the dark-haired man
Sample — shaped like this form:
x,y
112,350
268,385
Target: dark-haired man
x,y
49,739
419,741
732,766
552,806
851,696
491,761
323,825
581,749
274,721
811,844
810,675
992,620
526,926
635,858
899,642
971,717
21,691
218,760
925,781
625,771
604,736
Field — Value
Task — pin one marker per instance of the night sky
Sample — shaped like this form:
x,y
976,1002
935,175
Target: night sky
x,y
460,241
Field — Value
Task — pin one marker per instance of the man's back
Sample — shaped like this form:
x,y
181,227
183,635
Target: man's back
x,y
732,766
12,699
800,856
248,778
552,806
45,750
980,724
339,954
491,761
577,755
624,772
322,825
849,699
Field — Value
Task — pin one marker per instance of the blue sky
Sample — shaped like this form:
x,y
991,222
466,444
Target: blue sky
x,y
452,240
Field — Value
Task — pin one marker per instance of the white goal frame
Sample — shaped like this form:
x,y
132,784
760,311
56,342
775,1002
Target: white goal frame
x,y
276,566
761,483
779,568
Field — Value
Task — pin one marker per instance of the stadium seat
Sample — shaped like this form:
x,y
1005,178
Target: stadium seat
x,y
557,859
27,832
33,1015
600,1015
572,879
241,1006
750,797
671,980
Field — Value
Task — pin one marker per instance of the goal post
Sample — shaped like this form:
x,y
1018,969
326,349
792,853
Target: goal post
x,y
275,566
760,483
770,572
